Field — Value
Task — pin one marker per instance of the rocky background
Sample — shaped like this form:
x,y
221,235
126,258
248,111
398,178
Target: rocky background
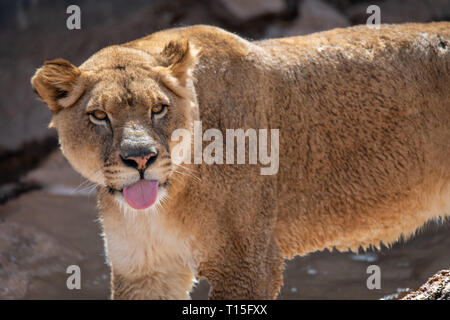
x,y
47,211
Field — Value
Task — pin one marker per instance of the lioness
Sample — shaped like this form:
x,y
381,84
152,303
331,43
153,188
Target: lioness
x,y
364,131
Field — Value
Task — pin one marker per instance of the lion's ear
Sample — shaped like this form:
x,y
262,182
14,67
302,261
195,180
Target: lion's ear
x,y
58,84
178,58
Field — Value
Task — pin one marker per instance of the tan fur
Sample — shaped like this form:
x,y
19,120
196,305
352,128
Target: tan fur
x,y
364,120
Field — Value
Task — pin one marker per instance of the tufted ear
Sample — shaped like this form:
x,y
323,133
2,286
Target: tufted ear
x,y
58,84
178,58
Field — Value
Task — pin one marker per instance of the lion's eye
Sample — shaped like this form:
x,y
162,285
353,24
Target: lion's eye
x,y
159,109
98,116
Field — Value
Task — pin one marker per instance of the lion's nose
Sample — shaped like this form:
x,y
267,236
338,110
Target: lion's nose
x,y
139,160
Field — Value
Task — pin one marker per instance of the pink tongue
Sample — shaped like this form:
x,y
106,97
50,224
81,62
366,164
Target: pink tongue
x,y
141,194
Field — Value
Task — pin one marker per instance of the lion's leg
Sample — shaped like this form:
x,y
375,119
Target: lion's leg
x,y
167,284
246,272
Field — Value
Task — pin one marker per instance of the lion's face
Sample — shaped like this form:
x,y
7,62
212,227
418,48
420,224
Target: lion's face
x,y
116,118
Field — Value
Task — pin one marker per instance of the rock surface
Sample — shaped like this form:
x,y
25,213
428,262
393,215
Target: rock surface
x,y
315,16
436,288
249,9
401,11
40,236
56,176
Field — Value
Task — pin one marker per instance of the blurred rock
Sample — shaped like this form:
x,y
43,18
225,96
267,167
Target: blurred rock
x,y
40,236
436,288
315,16
9,191
249,9
400,11
16,163
22,117
56,176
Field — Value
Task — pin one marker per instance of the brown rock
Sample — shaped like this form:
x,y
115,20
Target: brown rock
x,y
402,11
56,176
248,9
315,16
436,288
40,236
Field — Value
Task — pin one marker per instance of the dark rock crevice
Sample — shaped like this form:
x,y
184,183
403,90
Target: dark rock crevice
x,y
15,164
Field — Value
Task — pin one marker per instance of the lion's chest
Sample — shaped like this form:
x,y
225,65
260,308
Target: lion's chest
x,y
142,243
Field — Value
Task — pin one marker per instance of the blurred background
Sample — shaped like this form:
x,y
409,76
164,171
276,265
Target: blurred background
x,y
47,211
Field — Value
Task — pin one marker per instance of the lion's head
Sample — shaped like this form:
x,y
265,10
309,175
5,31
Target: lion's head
x,y
115,115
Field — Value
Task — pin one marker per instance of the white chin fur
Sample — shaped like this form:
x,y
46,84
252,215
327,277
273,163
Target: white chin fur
x,y
153,209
